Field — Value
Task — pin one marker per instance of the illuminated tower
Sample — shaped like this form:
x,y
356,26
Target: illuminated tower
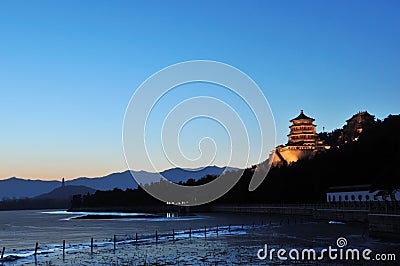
x,y
302,131
303,141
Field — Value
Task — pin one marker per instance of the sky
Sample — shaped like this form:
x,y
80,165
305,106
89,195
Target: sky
x,y
68,69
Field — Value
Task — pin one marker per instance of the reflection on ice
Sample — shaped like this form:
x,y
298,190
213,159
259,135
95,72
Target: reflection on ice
x,y
336,222
96,213
123,216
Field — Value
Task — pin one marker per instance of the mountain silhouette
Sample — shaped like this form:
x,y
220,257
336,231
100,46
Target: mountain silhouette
x,y
25,188
66,193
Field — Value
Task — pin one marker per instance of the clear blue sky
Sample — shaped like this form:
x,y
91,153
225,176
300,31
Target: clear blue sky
x,y
69,68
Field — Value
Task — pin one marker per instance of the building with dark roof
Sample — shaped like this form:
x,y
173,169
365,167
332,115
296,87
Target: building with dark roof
x,y
355,126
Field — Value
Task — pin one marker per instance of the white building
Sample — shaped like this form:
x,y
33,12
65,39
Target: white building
x,y
357,193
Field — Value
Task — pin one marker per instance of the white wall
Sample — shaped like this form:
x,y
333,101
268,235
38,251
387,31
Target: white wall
x,y
347,196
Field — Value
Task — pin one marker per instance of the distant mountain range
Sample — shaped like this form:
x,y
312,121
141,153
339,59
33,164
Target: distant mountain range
x,y
25,188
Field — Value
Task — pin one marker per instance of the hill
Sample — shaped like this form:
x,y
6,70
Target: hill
x,y
56,199
66,193
371,158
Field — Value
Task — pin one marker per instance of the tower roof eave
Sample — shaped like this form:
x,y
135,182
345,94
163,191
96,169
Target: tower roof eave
x,y
302,116
299,125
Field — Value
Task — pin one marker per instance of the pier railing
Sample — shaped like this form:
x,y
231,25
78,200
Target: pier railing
x,y
97,246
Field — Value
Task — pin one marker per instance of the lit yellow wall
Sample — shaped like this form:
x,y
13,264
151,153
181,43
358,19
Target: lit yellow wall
x,y
291,155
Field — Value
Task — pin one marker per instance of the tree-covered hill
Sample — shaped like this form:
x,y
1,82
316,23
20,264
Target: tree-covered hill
x,y
370,157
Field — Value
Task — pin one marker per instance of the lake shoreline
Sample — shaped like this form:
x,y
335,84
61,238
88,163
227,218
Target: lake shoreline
x,y
383,225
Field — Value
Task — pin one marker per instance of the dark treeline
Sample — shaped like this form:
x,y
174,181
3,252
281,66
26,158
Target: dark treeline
x,y
33,204
372,159
128,199
113,198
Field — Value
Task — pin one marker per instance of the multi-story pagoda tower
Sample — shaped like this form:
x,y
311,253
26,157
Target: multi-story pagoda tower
x,y
302,131
303,141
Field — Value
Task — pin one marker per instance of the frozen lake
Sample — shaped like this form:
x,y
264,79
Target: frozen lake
x,y
20,230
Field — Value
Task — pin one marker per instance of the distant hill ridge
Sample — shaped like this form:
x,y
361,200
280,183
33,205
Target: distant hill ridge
x,y
25,188
66,193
